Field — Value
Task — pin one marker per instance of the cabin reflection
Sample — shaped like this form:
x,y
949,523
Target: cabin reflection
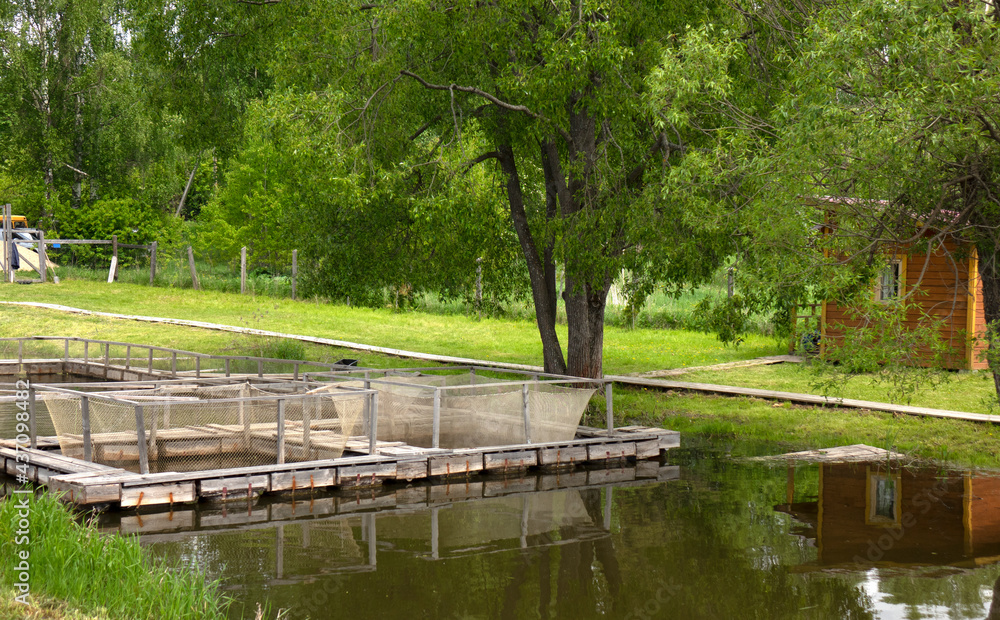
x,y
871,514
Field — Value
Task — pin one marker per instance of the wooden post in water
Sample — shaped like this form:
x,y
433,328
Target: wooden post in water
x,y
243,270
194,274
152,262
42,260
295,270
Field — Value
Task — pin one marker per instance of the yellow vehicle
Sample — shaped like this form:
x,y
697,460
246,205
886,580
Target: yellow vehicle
x,y
18,221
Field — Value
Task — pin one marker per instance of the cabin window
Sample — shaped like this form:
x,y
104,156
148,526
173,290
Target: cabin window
x,y
889,280
883,501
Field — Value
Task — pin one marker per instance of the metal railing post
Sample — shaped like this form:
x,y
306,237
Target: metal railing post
x,y
281,431
373,424
140,433
609,402
436,433
88,446
524,410
32,430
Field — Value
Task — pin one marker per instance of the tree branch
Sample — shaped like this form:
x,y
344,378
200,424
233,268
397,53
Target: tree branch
x,y
492,99
491,155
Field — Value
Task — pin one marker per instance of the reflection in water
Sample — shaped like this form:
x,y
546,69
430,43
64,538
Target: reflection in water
x,y
698,539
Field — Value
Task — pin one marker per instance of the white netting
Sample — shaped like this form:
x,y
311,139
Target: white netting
x,y
476,415
193,427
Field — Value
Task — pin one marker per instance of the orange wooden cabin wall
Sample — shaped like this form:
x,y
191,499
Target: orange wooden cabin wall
x,y
939,285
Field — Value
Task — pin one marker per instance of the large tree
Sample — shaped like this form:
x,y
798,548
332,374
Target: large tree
x,y
556,94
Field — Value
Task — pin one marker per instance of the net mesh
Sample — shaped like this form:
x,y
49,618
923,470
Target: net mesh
x,y
192,427
488,414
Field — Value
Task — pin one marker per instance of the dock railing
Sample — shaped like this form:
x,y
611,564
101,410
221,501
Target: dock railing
x,y
233,427
149,359
477,382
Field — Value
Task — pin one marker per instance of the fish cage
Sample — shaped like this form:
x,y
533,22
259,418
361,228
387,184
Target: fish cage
x,y
189,426
471,407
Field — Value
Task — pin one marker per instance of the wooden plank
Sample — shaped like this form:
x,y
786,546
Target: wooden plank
x,y
809,399
510,459
462,464
562,456
303,480
411,469
158,494
611,450
236,487
365,475
648,449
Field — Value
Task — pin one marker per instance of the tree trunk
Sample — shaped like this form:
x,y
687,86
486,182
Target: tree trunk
x,y
990,278
585,316
542,294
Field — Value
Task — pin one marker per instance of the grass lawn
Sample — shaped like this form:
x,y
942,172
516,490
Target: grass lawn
x,y
508,340
802,427
517,341
961,391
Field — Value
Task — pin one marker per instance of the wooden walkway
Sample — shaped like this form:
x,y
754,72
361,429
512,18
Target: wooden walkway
x,y
648,380
85,483
806,399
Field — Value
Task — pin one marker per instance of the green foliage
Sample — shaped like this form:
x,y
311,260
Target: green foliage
x,y
95,573
895,352
134,223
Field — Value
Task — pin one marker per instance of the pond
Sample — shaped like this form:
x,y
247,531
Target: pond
x,y
712,536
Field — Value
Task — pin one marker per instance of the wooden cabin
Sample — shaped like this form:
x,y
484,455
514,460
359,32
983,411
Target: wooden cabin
x,y
943,284
904,516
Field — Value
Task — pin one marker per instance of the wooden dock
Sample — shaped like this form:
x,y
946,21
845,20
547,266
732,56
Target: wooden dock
x,y
89,484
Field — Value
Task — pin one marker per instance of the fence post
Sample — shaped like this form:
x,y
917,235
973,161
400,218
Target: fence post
x,y
114,258
194,274
42,260
87,444
8,245
173,364
152,262
295,270
479,288
140,433
243,270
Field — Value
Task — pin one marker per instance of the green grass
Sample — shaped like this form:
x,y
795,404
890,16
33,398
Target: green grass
x,y
507,340
961,391
803,427
110,576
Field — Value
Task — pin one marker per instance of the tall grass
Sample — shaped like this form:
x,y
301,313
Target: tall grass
x,y
94,573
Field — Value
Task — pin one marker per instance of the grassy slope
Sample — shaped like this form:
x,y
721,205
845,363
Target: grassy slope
x,y
966,391
798,427
516,341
